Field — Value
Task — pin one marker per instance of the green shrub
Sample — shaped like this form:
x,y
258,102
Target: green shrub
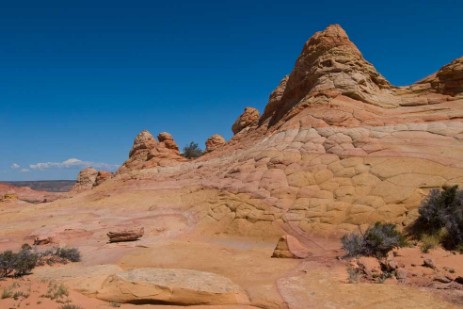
x,y
7,263
25,262
442,210
353,244
19,264
71,254
192,151
430,241
377,241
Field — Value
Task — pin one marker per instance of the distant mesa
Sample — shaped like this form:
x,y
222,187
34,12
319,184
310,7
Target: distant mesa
x,y
13,194
147,152
249,117
214,142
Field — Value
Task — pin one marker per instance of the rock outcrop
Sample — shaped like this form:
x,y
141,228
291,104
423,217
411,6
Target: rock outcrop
x,y
89,178
214,142
249,117
86,179
182,287
448,80
290,247
146,152
126,235
337,147
101,177
167,140
274,99
329,65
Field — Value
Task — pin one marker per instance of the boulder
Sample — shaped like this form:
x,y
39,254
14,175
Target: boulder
x,y
249,117
289,247
126,235
43,240
214,142
182,287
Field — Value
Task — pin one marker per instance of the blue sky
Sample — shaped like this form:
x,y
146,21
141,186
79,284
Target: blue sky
x,y
79,79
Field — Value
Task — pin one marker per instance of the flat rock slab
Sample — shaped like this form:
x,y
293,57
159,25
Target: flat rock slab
x,y
171,286
126,235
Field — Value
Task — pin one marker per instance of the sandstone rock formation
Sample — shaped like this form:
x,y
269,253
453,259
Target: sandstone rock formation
x,y
126,235
182,287
337,147
290,247
101,177
249,117
85,180
168,141
89,178
214,142
274,99
146,152
448,80
329,65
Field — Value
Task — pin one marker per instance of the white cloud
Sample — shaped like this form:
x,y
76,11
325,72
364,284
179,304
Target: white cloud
x,y
15,166
24,170
73,162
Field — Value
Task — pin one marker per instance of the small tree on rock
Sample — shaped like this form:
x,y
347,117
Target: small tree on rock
x,y
192,151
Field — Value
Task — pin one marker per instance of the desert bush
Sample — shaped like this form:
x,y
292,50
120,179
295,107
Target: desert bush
x,y
192,151
7,293
431,241
377,241
20,294
19,264
354,274
56,291
25,262
442,210
70,254
7,263
353,244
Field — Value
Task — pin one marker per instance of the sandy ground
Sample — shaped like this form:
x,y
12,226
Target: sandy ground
x,y
173,240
